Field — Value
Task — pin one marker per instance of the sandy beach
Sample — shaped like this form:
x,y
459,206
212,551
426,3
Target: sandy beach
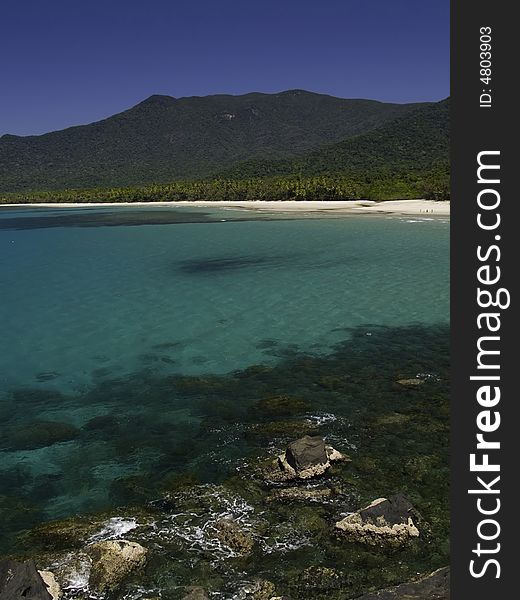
x,y
398,207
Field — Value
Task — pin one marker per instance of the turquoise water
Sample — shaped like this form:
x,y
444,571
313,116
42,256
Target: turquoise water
x,y
129,336
80,303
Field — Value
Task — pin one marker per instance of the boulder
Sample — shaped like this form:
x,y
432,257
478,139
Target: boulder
x,y
112,562
384,522
435,586
305,458
22,581
306,453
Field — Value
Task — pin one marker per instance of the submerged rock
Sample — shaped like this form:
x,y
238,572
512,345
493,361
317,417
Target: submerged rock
x,y
39,434
435,586
113,561
383,522
22,581
304,458
236,538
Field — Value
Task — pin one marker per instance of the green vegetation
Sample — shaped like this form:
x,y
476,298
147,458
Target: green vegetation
x,y
432,185
289,146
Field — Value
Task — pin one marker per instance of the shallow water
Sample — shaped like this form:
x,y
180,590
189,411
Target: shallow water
x,y
138,344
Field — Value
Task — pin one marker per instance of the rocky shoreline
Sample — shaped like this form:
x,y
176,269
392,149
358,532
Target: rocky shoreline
x,y
265,510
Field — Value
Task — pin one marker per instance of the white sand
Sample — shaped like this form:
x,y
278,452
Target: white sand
x,y
402,207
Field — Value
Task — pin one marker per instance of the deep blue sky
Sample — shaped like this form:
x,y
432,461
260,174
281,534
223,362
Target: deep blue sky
x,y
69,62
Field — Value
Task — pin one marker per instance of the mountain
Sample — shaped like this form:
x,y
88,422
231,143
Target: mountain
x,y
166,139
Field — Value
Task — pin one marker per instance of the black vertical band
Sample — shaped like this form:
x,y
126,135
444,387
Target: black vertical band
x,y
484,126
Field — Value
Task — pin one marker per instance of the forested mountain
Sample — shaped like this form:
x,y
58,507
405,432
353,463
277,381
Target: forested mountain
x,y
164,139
414,142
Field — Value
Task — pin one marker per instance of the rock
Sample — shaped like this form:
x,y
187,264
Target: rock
x,y
435,586
336,456
113,561
21,581
298,494
231,534
53,586
306,453
383,522
304,458
195,592
264,590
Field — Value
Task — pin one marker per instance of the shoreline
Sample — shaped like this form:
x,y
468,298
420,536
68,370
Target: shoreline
x,y
432,208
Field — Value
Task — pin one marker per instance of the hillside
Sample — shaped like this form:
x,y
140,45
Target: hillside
x,y
416,142
165,139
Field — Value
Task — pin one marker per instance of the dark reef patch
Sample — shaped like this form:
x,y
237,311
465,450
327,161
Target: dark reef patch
x,y
103,217
223,264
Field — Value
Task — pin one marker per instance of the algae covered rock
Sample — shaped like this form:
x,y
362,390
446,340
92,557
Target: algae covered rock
x,y
435,586
22,581
66,533
113,561
231,534
384,522
299,494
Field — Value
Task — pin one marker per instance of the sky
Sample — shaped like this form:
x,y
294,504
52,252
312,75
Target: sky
x,y
65,63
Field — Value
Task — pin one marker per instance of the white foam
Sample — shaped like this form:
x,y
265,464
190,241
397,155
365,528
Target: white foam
x,y
114,528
